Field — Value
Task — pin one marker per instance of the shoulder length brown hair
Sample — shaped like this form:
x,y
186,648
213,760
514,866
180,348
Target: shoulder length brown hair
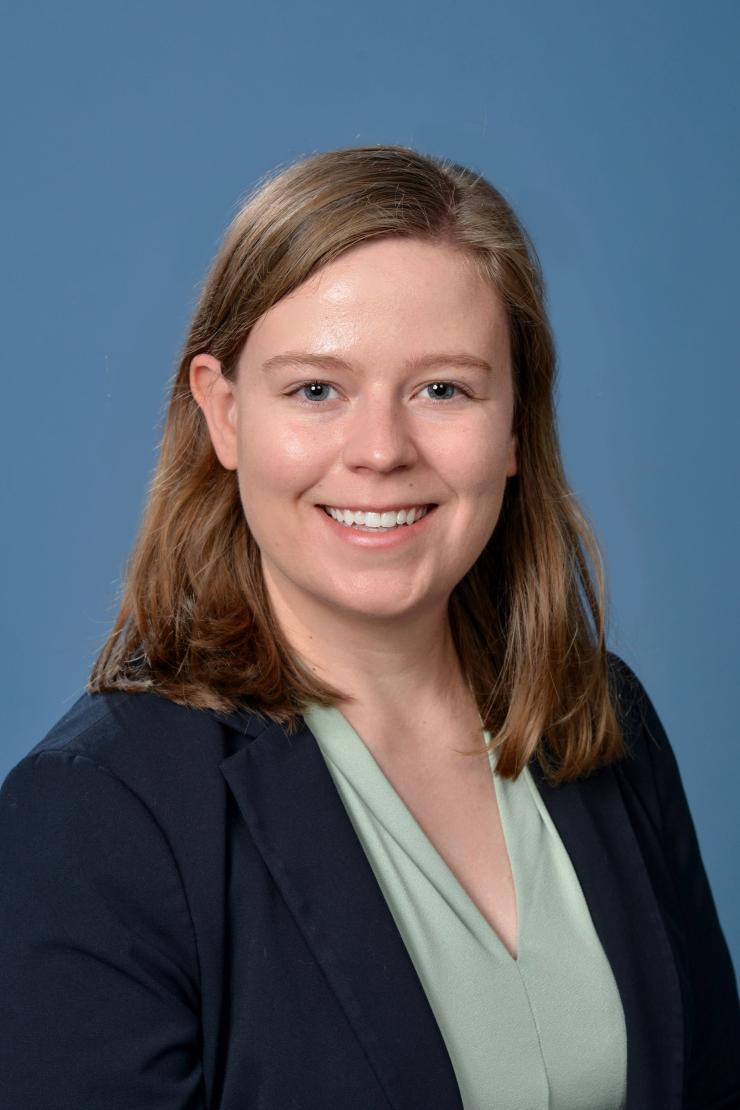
x,y
195,623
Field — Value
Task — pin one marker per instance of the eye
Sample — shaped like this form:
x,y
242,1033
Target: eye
x,y
310,393
314,397
446,385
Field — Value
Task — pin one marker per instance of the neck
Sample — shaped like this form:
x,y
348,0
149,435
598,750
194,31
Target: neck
x,y
395,669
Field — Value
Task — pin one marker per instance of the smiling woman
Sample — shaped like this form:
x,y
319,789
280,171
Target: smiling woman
x,y
369,266
358,810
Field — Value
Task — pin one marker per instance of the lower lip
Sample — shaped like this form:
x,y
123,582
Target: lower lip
x,y
403,533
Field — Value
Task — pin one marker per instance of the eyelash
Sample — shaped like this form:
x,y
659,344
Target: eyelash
x,y
317,404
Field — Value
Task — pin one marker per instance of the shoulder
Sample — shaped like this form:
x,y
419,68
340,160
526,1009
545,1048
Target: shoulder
x,y
649,774
164,757
117,727
122,730
630,699
98,846
643,731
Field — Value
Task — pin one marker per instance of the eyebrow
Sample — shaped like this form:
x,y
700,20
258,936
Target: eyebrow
x,y
331,362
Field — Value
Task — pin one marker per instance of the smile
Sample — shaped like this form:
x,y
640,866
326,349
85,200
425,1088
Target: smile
x,y
376,521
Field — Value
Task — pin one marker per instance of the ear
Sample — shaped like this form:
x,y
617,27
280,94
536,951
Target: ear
x,y
216,396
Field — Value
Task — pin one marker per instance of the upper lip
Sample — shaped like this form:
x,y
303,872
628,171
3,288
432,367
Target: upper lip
x,y
379,508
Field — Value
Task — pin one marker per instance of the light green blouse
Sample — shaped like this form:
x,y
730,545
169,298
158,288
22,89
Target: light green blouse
x,y
543,1032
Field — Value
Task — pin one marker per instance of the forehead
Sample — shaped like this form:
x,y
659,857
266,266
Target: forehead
x,y
388,292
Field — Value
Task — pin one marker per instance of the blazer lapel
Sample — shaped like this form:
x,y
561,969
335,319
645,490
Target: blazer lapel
x,y
298,822
593,824
300,826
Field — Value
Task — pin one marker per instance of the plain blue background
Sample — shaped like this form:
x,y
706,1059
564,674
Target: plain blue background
x,y
130,133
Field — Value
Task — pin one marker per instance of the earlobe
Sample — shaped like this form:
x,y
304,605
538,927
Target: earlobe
x,y
216,397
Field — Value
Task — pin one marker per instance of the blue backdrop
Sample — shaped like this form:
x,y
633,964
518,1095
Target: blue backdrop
x,y
130,133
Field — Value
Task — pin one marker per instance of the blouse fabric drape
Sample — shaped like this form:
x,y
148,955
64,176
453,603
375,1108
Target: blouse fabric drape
x,y
544,1031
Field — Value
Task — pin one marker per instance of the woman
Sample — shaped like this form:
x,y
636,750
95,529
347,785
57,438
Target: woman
x,y
358,811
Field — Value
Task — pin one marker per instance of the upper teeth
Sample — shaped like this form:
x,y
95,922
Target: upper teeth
x,y
377,520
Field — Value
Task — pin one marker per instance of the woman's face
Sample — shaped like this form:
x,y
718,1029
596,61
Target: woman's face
x,y
412,406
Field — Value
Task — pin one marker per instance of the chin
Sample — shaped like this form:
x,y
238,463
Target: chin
x,y
368,612
381,609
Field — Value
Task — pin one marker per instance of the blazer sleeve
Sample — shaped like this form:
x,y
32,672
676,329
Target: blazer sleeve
x,y
713,1064
98,966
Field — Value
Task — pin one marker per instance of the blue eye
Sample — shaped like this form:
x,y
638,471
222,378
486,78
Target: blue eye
x,y
314,387
314,395
444,385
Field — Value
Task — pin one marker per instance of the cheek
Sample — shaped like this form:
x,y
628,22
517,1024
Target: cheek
x,y
476,467
478,477
275,457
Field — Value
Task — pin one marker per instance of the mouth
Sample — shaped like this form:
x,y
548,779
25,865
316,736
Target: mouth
x,y
378,521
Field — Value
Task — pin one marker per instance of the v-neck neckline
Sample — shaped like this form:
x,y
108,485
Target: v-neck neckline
x,y
413,839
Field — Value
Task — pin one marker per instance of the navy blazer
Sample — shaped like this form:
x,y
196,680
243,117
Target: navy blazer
x,y
188,921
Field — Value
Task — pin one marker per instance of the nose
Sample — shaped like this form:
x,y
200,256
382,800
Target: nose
x,y
379,435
